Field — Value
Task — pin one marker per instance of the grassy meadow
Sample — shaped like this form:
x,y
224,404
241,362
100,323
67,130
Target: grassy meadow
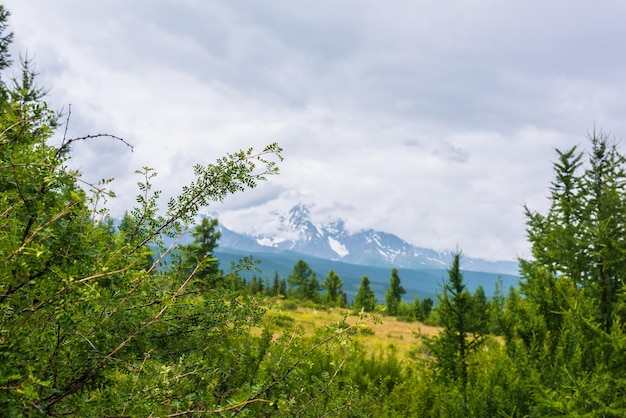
x,y
375,335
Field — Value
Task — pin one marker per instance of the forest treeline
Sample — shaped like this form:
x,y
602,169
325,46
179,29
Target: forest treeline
x,y
101,319
302,287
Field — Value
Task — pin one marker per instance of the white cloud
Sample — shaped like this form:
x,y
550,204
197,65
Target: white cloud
x,y
433,122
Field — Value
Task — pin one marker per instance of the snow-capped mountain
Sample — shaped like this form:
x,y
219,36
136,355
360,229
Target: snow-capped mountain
x,y
296,232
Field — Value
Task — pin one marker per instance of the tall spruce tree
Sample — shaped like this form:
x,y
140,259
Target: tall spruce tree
x,y
365,298
394,293
427,307
565,329
313,289
480,319
581,234
303,283
333,295
459,339
417,311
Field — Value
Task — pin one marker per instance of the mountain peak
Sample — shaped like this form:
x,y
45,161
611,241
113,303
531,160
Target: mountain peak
x,y
299,214
298,233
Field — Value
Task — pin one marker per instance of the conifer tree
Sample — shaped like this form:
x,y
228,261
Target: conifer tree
x,y
275,290
200,251
458,341
282,288
417,310
365,298
302,282
580,235
394,293
566,324
312,289
480,318
427,307
333,295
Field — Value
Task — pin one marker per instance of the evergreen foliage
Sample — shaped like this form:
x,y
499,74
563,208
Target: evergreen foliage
x,y
427,307
394,293
567,324
417,310
200,251
302,282
365,298
579,237
480,317
460,338
333,295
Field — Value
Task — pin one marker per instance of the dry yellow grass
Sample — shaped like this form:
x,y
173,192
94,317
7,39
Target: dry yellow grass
x,y
401,335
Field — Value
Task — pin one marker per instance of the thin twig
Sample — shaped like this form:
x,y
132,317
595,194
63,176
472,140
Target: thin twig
x,y
135,382
220,410
28,239
340,407
67,143
19,122
67,122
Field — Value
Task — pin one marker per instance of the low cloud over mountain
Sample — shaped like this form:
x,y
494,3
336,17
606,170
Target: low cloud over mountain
x,y
296,232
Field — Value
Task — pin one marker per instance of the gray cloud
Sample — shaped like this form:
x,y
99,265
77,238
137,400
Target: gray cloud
x,y
441,148
429,121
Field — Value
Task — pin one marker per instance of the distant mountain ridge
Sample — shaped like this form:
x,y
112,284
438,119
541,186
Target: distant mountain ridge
x,y
295,232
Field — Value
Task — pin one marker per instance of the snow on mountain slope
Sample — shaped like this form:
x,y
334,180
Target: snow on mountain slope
x,y
295,231
338,247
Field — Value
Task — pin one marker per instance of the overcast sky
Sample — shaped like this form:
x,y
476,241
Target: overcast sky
x,y
435,121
